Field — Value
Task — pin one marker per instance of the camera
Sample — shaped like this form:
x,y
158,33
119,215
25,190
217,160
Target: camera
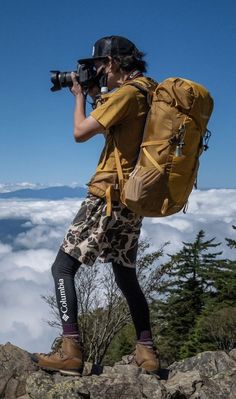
x,y
86,76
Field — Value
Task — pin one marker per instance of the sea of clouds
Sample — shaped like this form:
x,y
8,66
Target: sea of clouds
x,y
26,254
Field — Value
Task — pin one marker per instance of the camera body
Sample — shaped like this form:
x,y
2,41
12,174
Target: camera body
x,y
85,75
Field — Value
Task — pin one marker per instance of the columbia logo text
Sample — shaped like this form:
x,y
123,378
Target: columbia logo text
x,y
63,301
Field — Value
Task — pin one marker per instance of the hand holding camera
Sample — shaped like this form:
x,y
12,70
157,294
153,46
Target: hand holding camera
x,y
76,88
85,76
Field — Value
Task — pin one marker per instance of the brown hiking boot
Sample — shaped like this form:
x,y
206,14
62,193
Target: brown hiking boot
x,y
146,358
66,357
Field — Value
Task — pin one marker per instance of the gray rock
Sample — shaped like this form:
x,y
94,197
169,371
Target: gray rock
x,y
42,385
207,363
105,386
152,387
184,384
232,354
222,386
15,366
209,375
129,370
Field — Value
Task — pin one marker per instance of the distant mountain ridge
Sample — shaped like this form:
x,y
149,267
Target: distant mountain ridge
x,y
48,193
57,192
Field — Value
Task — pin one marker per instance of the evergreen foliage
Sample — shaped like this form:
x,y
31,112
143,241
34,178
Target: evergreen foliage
x,y
231,243
215,328
122,344
197,282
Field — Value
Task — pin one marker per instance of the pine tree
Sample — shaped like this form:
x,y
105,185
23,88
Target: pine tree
x,y
123,344
215,328
189,283
225,281
231,243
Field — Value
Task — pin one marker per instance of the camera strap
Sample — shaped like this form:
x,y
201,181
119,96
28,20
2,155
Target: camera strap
x,y
134,74
103,81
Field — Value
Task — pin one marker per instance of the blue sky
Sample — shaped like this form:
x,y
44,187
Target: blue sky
x,y
192,39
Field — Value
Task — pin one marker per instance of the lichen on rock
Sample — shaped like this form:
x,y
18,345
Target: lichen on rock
x,y
209,375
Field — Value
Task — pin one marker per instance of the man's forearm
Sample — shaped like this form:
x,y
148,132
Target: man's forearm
x,y
84,128
79,113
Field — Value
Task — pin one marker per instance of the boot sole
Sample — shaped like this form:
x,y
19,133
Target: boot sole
x,y
153,372
73,372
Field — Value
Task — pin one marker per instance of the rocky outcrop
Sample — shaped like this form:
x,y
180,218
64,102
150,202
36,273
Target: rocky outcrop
x,y
15,367
209,375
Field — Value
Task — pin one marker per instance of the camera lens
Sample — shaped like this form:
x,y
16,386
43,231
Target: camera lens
x,y
60,79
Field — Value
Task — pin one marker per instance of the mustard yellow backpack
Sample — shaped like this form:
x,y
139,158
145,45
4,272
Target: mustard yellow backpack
x,y
174,137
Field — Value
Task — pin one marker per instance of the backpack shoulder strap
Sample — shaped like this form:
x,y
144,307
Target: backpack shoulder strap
x,y
147,88
139,86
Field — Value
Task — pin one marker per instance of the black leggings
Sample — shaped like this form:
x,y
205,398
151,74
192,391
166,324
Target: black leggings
x,y
64,269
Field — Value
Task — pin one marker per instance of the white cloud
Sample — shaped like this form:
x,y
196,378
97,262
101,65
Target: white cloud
x,y
20,334
37,260
25,276
40,212
41,236
22,313
25,262
4,249
213,211
25,269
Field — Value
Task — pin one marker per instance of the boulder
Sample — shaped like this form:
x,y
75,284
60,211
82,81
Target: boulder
x,y
209,375
15,367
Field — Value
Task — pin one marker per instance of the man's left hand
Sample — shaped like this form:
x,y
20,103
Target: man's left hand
x,y
76,89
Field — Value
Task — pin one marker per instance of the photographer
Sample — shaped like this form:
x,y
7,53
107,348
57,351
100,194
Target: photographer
x,y
104,228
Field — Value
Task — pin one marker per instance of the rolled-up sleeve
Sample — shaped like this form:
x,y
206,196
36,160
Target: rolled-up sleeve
x,y
120,105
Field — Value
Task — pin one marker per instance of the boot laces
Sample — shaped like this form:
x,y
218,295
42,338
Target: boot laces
x,y
56,347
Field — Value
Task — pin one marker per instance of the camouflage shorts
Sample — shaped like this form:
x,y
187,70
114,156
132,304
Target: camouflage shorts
x,y
93,234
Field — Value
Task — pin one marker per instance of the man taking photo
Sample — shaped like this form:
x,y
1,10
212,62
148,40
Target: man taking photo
x,y
104,228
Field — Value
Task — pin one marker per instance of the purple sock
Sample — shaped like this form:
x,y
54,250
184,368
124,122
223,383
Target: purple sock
x,y
71,331
145,338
